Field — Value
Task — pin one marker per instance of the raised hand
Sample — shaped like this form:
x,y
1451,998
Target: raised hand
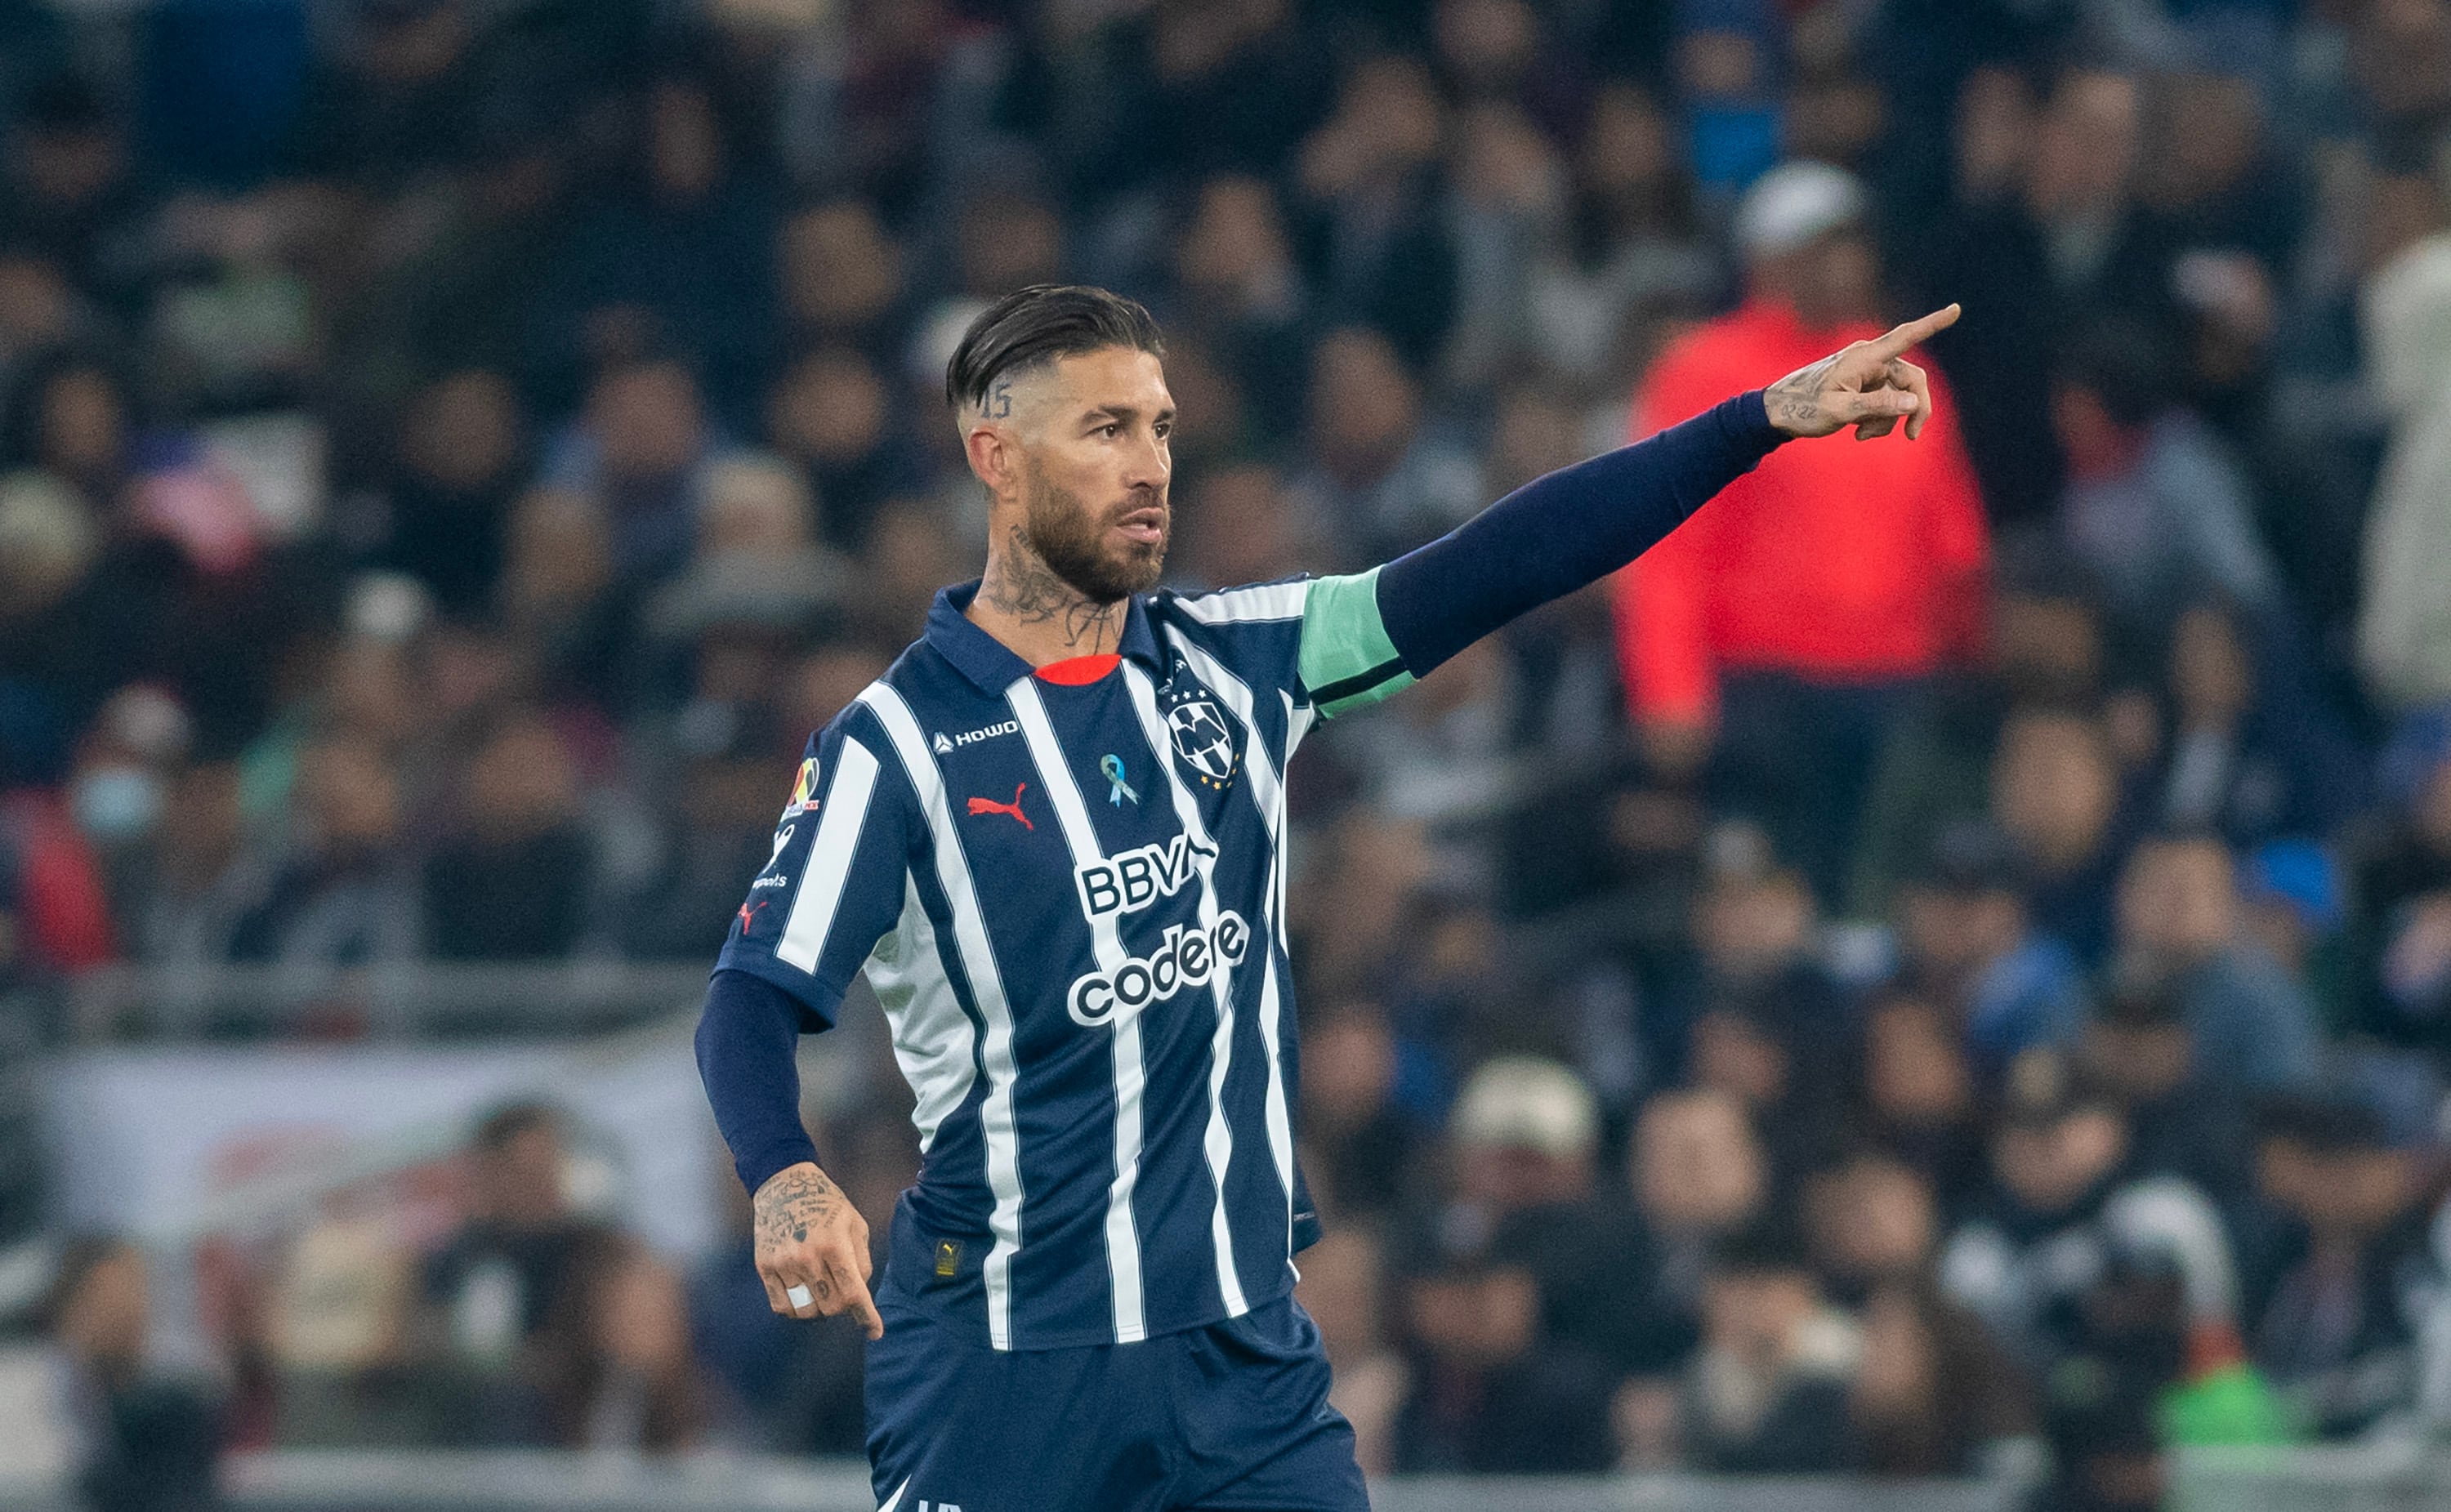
x,y
812,1240
1870,385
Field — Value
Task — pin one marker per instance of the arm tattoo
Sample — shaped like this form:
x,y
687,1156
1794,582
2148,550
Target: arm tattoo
x,y
794,1203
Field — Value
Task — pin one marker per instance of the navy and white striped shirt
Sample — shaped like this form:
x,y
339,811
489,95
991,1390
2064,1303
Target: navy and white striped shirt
x,y
1070,902
1068,894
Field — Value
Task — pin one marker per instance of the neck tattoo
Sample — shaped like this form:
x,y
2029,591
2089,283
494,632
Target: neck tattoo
x,y
1021,584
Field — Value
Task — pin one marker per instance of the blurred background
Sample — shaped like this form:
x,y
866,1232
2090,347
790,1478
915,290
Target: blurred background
x,y
1933,991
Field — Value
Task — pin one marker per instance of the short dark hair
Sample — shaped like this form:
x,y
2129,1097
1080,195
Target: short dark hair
x,y
2126,365
1038,324
500,1126
1766,1247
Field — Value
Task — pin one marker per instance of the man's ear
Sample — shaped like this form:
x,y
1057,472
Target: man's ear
x,y
993,456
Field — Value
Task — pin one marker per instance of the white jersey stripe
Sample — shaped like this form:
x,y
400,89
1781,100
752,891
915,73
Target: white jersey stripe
x,y
1269,600
1132,1075
934,1038
1217,1142
1299,718
987,985
828,868
1268,792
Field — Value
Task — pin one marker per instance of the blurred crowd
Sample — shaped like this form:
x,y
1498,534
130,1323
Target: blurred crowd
x,y
1949,953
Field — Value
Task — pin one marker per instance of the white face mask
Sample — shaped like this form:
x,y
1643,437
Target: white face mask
x,y
116,803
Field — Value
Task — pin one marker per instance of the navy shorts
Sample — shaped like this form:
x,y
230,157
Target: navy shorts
x,y
1232,1417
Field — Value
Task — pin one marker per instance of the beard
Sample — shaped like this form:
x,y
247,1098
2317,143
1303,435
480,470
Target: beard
x,y
1073,539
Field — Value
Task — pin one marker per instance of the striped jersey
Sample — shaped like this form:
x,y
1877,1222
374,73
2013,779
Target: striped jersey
x,y
1068,892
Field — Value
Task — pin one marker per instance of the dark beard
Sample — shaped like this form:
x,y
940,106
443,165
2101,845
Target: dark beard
x,y
1071,537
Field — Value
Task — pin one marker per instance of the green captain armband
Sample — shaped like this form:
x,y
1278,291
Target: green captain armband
x,y
1348,662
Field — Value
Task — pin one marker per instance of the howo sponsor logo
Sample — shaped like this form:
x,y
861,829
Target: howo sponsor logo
x,y
1186,957
1132,881
945,743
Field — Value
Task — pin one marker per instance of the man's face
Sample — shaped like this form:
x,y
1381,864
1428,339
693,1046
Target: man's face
x,y
2049,1165
520,1185
1952,931
1916,1072
2356,1193
2139,1061
105,1321
1095,433
1753,1314
2053,787
1696,1164
1872,1218
1835,279
2178,902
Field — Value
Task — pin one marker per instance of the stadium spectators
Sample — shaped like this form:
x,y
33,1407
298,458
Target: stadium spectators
x,y
1932,1394
1509,1306
141,1439
1767,1392
2179,926
509,1290
2353,1323
1967,943
2062,1201
451,454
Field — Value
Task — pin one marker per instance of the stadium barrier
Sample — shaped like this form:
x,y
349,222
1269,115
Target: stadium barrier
x,y
397,1000
2401,1476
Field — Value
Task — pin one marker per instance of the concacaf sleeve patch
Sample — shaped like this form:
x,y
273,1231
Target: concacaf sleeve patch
x,y
804,789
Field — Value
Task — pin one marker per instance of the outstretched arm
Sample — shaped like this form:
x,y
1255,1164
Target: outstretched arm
x,y
1577,525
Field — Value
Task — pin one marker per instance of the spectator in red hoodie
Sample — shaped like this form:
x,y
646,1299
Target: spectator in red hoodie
x,y
1766,641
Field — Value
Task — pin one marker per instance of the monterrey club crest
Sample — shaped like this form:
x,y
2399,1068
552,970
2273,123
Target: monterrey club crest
x,y
1206,739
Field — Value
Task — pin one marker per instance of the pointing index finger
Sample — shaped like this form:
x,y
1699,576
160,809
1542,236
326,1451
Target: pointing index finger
x,y
1915,333
854,1293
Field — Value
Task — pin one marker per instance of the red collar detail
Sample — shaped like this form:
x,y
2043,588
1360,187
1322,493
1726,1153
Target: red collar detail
x,y
1076,672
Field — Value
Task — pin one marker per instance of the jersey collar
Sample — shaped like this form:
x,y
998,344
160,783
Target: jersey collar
x,y
994,666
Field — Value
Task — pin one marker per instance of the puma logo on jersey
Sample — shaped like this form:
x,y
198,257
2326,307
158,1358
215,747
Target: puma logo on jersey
x,y
1132,881
979,806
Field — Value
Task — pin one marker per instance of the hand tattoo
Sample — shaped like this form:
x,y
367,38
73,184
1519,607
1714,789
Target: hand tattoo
x,y
1861,384
1795,402
791,1203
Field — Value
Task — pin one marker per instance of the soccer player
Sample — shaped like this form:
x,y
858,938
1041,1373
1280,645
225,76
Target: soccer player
x,y
1052,836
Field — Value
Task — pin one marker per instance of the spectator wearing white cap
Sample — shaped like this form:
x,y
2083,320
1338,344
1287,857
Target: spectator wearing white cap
x,y
1766,640
1509,1317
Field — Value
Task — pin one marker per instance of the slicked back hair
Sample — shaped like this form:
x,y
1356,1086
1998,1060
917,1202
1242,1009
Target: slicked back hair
x,y
1032,327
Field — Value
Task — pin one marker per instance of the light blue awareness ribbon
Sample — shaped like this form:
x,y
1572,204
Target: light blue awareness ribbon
x,y
1118,789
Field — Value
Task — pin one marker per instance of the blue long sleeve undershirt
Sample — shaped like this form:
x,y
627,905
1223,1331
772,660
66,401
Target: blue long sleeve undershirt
x,y
1547,538
1564,531
748,1048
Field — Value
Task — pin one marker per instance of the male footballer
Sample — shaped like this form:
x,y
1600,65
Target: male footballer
x,y
1052,836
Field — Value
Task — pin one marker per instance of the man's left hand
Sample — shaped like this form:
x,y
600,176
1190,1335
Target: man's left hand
x,y
1870,385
